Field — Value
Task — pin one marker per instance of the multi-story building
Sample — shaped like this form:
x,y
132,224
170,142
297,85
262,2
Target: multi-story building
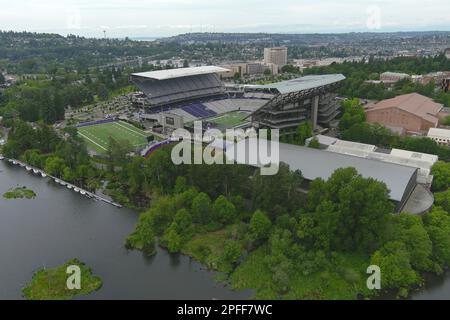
x,y
441,136
272,67
275,55
255,68
238,67
393,76
437,77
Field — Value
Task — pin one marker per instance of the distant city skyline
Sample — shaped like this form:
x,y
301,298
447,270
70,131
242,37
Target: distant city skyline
x,y
160,18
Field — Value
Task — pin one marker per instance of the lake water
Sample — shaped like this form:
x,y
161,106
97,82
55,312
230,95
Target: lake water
x,y
60,224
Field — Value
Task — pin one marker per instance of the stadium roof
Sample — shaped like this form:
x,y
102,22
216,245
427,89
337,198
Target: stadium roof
x,y
303,83
179,73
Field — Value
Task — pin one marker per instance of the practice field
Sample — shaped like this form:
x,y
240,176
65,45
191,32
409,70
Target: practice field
x,y
97,136
230,119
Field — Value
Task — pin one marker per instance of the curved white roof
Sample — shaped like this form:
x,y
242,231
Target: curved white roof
x,y
303,83
180,72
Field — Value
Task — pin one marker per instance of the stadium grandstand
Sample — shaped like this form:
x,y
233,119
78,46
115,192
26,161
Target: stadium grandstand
x,y
306,98
198,93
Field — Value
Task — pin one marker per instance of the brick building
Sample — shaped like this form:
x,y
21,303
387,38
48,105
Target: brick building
x,y
411,113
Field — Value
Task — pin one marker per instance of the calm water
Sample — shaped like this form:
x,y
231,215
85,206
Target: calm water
x,y
61,224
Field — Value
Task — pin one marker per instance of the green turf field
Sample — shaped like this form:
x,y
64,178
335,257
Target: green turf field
x,y
230,119
97,136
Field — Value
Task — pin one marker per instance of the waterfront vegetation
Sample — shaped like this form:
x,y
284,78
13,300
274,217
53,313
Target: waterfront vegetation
x,y
51,284
267,236
19,193
62,155
261,232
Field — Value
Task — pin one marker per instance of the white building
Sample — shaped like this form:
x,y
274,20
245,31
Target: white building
x,y
441,136
421,161
393,76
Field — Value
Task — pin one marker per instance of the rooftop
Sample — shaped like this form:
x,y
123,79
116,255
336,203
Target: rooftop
x,y
303,83
398,74
421,161
436,132
179,73
414,103
315,163
321,164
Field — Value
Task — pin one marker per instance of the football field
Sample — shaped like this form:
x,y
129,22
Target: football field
x,y
97,136
230,119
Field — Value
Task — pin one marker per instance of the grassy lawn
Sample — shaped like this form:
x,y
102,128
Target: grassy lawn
x,y
51,284
97,136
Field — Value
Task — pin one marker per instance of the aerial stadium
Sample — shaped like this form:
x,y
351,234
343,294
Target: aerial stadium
x,y
176,98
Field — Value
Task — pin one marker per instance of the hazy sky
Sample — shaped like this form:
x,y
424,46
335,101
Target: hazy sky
x,y
168,17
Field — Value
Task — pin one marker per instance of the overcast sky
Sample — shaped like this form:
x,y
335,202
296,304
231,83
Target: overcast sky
x,y
133,18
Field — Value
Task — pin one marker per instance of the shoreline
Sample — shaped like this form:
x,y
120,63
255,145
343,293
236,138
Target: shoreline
x,y
61,182
383,295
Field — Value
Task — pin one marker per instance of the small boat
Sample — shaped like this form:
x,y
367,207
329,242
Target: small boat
x,y
10,160
22,164
62,183
57,180
69,186
76,189
14,162
43,175
36,171
2,158
83,192
28,168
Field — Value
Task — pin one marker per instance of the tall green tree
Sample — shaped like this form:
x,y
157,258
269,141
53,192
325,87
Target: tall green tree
x,y
437,224
202,209
304,131
260,226
224,210
362,205
353,113
397,272
441,176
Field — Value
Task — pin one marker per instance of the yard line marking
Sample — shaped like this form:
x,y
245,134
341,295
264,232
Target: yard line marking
x,y
128,133
94,136
136,132
86,137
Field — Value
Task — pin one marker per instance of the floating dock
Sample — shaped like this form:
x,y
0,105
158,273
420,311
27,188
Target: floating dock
x,y
40,172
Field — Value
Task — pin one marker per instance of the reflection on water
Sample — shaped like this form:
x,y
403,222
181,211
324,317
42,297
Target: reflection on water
x,y
60,224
